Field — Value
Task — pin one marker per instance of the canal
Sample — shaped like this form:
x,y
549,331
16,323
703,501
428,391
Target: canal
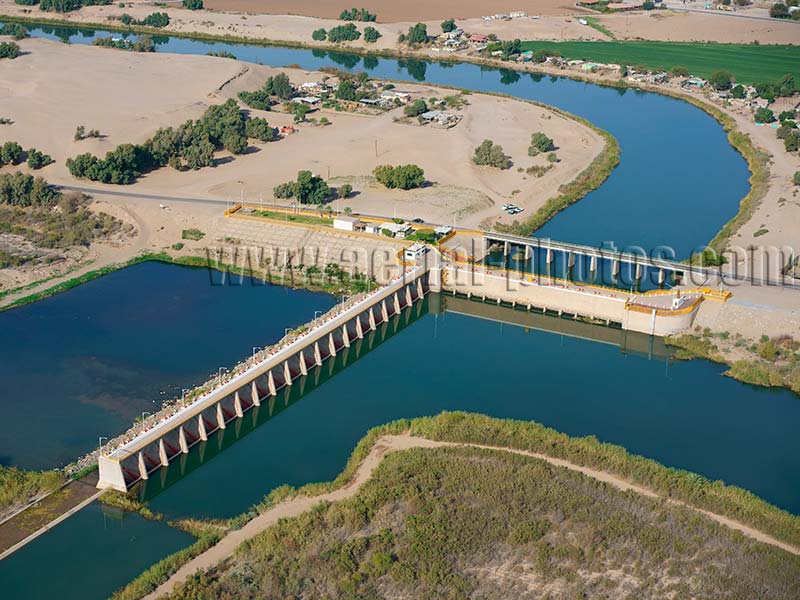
x,y
83,364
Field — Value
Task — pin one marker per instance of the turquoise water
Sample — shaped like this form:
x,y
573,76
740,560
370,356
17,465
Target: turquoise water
x,y
88,556
86,363
676,167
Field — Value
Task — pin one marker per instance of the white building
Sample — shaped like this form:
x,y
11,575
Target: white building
x,y
347,224
414,252
398,230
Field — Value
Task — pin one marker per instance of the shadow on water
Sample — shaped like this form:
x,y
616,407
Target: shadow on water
x,y
221,440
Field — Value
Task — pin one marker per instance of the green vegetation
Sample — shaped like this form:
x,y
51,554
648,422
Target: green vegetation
x,y
404,177
492,155
277,85
62,6
749,63
22,190
448,25
9,50
10,154
415,108
371,34
81,134
190,145
721,80
423,235
417,34
796,178
540,143
156,19
764,115
771,362
144,43
294,218
344,190
319,35
222,54
192,234
5,121
595,24
15,30
357,14
308,189
193,4
37,159
260,129
431,523
17,487
343,33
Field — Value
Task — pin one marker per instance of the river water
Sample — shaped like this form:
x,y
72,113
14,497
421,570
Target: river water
x,y
84,363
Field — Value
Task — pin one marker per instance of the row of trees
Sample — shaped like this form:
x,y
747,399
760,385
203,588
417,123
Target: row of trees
x,y
190,145
21,189
11,153
15,30
404,177
144,43
346,33
62,5
156,19
357,14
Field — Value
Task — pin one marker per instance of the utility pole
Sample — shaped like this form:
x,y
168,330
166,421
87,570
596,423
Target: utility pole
x,y
376,148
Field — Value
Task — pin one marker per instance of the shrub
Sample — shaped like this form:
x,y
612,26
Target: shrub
x,y
37,160
416,108
15,30
284,190
9,50
796,178
193,4
319,35
192,234
539,143
20,189
448,25
679,72
344,190
488,153
260,100
417,34
371,35
156,19
10,154
261,130
343,33
356,14
779,11
764,115
404,177
738,91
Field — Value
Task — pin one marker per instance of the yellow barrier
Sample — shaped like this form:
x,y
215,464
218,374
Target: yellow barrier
x,y
233,209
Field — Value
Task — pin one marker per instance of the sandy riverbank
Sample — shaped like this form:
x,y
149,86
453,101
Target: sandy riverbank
x,y
296,25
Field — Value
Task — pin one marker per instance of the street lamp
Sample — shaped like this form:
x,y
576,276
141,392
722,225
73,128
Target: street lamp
x,y
219,374
183,394
286,331
317,312
256,349
144,412
100,441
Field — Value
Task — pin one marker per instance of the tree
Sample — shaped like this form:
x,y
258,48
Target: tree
x,y
319,35
792,141
787,115
280,86
448,25
490,154
416,108
9,50
539,143
343,33
417,34
796,178
10,154
260,129
721,80
347,90
779,11
311,189
193,4
764,115
156,19
650,5
37,160
679,71
738,91
404,177
371,34
344,190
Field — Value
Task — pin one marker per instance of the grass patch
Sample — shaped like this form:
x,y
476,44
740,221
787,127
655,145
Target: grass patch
x,y
595,24
18,486
192,234
761,232
293,218
749,63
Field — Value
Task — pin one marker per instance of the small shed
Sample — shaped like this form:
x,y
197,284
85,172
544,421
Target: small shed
x,y
414,252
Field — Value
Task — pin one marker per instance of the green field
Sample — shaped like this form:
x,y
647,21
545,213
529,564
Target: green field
x,y
749,63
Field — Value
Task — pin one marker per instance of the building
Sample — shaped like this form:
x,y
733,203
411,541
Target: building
x,y
398,230
478,38
442,230
373,228
438,116
415,252
287,130
308,100
348,224
403,97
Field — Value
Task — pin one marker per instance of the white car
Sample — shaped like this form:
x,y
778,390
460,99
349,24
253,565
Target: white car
x,y
506,206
